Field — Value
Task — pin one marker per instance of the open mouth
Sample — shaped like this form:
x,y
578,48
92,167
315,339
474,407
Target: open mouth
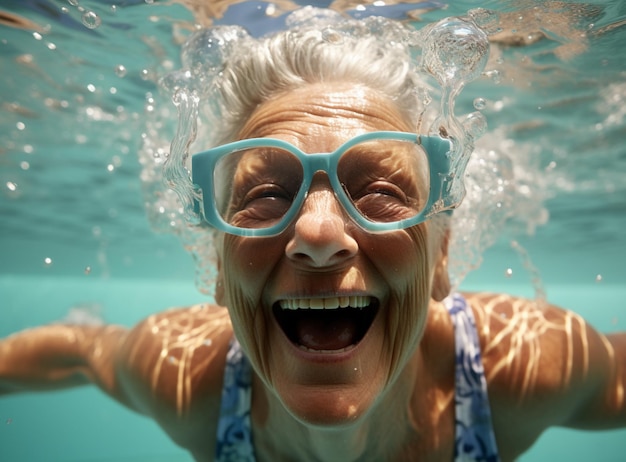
x,y
326,324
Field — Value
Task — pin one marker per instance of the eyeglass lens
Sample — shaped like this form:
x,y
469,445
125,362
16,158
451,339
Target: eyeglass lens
x,y
385,180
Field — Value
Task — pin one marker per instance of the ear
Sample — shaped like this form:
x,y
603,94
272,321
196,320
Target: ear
x,y
441,279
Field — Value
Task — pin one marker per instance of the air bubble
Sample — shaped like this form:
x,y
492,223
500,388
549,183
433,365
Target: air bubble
x,y
455,51
120,70
204,55
598,278
475,125
91,20
480,103
495,76
87,270
11,186
47,261
508,273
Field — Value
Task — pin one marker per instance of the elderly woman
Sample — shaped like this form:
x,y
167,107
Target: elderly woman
x,y
335,337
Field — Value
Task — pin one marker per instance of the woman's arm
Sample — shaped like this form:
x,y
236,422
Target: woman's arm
x,y
160,367
60,356
604,403
547,367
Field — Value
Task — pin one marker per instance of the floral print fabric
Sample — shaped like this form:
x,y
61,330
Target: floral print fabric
x,y
474,437
234,432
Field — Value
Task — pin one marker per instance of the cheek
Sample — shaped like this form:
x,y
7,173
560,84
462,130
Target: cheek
x,y
243,268
247,264
419,280
402,259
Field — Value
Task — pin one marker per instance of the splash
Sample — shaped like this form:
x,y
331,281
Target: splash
x,y
540,292
455,52
452,52
506,189
164,205
175,169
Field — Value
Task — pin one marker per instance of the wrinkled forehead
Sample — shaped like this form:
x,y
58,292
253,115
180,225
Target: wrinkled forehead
x,y
320,117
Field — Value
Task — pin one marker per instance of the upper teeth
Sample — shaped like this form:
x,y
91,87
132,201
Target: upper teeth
x,y
328,303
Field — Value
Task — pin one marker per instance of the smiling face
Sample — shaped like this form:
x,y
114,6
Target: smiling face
x,y
328,367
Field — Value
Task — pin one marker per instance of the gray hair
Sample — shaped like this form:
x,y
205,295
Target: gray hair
x,y
375,53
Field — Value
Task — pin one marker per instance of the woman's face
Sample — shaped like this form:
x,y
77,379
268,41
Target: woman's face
x,y
330,366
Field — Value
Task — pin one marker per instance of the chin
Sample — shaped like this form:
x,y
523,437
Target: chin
x,y
326,407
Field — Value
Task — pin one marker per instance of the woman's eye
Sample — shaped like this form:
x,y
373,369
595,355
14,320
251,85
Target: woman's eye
x,y
265,192
384,201
260,206
385,188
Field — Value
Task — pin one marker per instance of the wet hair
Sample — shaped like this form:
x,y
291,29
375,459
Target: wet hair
x,y
351,53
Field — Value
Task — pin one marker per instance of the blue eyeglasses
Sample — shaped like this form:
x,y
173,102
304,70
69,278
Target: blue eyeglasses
x,y
384,180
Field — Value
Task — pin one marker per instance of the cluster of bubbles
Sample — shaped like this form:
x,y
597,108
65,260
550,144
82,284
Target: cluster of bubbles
x,y
452,52
89,18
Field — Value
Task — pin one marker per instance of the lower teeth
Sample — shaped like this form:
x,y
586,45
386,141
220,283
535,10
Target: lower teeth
x,y
311,350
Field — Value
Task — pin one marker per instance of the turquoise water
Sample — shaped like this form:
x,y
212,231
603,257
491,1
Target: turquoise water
x,y
82,425
74,232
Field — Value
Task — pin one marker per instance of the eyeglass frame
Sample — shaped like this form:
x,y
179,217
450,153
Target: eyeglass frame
x,y
438,152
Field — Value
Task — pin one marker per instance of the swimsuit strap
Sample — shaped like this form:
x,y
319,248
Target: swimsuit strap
x,y
234,432
474,436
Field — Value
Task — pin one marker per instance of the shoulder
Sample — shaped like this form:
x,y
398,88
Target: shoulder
x,y
529,345
172,365
538,364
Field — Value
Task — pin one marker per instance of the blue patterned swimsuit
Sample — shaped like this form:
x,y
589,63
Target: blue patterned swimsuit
x,y
474,437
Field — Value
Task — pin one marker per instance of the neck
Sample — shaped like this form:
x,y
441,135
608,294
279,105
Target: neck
x,y
379,434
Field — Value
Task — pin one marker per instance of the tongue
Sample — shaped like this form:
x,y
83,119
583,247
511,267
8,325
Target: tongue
x,y
325,329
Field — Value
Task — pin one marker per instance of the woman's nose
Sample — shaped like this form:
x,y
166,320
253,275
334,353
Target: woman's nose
x,y
320,236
